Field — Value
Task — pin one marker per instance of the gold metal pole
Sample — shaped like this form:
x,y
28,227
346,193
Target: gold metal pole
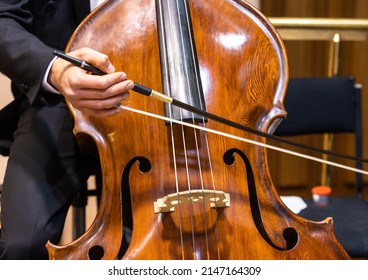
x,y
328,138
334,56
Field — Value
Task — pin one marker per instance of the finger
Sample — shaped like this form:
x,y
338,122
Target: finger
x,y
104,82
94,93
101,113
100,104
97,59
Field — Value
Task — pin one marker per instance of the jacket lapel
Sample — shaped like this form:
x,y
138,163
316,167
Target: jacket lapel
x,y
81,9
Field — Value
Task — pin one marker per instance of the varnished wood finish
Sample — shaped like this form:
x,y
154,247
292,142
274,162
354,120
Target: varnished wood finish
x,y
244,71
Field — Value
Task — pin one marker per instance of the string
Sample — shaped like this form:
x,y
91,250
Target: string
x,y
253,142
164,54
197,83
183,132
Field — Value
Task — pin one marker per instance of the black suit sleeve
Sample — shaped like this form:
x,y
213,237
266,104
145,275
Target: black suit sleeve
x,y
29,32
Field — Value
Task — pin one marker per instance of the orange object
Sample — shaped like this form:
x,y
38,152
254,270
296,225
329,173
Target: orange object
x,y
321,195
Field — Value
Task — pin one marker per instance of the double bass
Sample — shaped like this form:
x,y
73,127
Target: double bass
x,y
187,192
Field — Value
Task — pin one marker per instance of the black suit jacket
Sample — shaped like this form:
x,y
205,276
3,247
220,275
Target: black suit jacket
x,y
29,32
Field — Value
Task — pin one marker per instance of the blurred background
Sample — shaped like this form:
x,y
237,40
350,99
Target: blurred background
x,y
311,58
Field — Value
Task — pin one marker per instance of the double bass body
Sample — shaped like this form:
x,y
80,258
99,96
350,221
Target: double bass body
x,y
192,194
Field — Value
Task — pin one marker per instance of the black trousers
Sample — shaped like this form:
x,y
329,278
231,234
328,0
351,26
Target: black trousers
x,y
45,170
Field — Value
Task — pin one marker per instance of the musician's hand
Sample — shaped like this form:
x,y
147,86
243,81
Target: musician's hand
x,y
90,93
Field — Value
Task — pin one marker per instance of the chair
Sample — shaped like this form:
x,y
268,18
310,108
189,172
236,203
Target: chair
x,y
80,203
331,105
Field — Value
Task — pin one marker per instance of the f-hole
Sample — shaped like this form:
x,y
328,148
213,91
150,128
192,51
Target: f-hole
x,y
290,235
127,230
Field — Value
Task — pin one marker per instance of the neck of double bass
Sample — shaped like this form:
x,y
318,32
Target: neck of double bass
x,y
179,65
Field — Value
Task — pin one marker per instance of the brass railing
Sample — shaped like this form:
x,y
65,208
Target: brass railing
x,y
321,28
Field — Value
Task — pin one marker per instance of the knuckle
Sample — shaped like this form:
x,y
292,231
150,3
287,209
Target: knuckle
x,y
101,83
99,105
